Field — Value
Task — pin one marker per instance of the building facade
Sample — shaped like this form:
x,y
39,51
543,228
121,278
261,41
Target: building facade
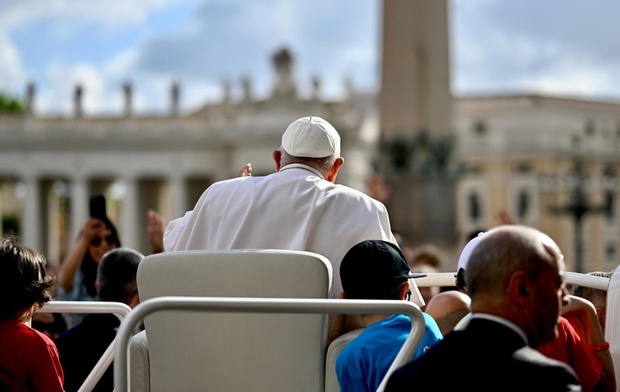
x,y
50,166
550,162
454,165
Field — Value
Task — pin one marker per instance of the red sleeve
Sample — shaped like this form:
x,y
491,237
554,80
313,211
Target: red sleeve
x,y
588,368
47,375
570,349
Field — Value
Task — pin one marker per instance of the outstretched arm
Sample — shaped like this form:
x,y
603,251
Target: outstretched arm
x,y
581,313
245,171
155,231
92,228
378,189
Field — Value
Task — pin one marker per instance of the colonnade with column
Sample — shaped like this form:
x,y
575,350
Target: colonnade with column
x,y
51,211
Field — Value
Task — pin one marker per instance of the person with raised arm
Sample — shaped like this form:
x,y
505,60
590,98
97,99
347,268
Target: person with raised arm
x,y
299,207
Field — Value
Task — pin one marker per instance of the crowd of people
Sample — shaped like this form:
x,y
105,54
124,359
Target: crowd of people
x,y
511,305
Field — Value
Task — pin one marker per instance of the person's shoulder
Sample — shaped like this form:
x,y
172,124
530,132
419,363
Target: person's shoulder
x,y
224,188
551,373
29,338
348,192
431,324
232,182
422,372
69,334
346,189
428,319
92,324
20,329
531,358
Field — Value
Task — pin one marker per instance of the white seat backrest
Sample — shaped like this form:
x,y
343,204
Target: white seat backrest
x,y
235,352
139,354
334,349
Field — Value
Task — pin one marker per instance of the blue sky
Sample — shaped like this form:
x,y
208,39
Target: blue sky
x,y
560,47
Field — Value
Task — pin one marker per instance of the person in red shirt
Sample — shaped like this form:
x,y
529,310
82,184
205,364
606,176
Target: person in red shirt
x,y
570,349
581,344
28,359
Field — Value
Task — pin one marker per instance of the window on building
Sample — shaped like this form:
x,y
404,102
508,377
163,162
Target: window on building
x,y
609,196
480,128
474,206
524,168
590,128
524,203
610,208
610,253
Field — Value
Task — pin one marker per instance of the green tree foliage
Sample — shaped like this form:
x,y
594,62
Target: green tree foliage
x,y
10,105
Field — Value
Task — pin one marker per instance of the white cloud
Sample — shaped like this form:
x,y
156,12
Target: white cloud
x,y
535,47
66,14
63,78
497,45
13,77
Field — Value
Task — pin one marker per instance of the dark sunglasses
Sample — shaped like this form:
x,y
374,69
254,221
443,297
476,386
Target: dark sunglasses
x,y
97,240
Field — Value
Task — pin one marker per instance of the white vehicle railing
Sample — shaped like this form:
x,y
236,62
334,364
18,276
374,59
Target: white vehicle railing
x,y
447,279
612,330
119,309
264,305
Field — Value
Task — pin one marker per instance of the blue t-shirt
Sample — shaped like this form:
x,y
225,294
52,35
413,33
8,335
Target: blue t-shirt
x,y
363,363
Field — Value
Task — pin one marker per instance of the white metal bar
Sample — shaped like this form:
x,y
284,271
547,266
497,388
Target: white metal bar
x,y
436,279
265,305
596,282
576,278
119,309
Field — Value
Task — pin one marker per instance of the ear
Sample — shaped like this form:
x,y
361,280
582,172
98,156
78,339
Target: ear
x,y
277,154
342,296
134,301
518,288
333,173
402,293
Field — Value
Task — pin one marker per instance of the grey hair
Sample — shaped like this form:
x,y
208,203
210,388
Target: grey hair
x,y
323,165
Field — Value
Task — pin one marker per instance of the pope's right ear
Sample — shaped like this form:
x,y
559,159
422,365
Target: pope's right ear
x,y
277,155
333,172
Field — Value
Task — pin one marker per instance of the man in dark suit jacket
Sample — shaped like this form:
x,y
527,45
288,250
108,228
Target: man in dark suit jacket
x,y
515,278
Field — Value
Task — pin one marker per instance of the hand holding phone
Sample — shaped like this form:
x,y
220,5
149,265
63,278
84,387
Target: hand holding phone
x,y
97,207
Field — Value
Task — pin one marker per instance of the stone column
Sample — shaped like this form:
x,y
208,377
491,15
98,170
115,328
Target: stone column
x,y
128,97
77,100
30,97
129,217
79,206
246,87
32,218
415,69
178,196
175,94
